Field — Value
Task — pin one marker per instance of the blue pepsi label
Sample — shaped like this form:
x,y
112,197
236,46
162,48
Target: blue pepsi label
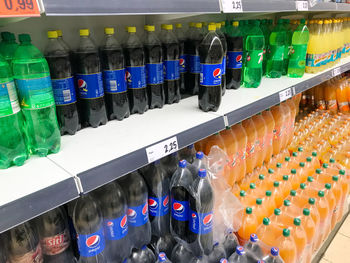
x,y
91,245
154,73
158,206
117,228
138,215
210,74
114,80
201,223
179,210
171,69
194,64
136,77
234,59
223,67
183,63
90,86
64,91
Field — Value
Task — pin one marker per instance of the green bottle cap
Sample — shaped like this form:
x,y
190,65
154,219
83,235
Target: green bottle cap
x,y
342,172
303,186
314,154
261,177
300,149
24,38
285,177
301,164
297,221
318,171
249,210
242,193
277,211
310,179
286,232
306,212
252,186
335,178
294,154
293,171
268,193
331,160
309,159
328,186
271,171
287,159
287,202
293,193
276,184
258,201
302,21
278,165
320,193
312,201
266,221
325,165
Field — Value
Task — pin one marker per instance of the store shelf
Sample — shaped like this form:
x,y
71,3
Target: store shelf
x,y
268,6
32,189
240,104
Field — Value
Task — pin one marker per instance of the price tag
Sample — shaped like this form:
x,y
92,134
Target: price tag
x,y
164,148
312,3
336,72
232,6
302,5
285,94
19,8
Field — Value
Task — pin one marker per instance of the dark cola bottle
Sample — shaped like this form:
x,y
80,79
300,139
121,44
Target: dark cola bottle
x,y
54,236
193,61
223,68
211,55
63,85
90,86
154,68
135,73
171,64
182,57
113,66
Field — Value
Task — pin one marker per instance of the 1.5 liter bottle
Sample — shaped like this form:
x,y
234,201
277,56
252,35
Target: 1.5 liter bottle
x,y
32,76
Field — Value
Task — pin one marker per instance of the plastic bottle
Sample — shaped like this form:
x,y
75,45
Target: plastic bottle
x,y
274,256
162,258
144,255
211,55
242,139
218,252
252,135
277,43
181,254
310,230
8,50
230,243
287,247
180,35
254,248
279,118
214,140
277,194
261,129
224,47
342,100
30,69
239,257
234,56
264,26
231,147
314,58
253,55
64,90
248,227
288,45
330,96
300,237
268,139
171,64
135,73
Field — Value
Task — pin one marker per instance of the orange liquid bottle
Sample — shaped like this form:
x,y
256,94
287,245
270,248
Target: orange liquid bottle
x,y
287,247
231,149
213,140
264,183
294,179
331,98
323,209
249,226
279,118
246,200
315,215
345,186
269,202
310,228
342,99
267,234
260,210
300,238
268,139
285,186
252,135
329,194
261,129
285,128
277,194
241,136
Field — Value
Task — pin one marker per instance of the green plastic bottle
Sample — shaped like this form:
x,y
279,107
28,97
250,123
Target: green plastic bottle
x,y
13,150
266,32
277,42
9,47
288,46
297,61
32,77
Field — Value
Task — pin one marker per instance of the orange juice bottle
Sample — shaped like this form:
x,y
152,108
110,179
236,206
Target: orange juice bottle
x,y
332,204
213,140
287,247
342,100
260,210
277,194
246,200
309,226
285,110
264,183
337,190
344,183
281,170
266,234
298,199
294,179
253,191
248,227
231,149
315,160
300,238
292,108
319,97
315,215
269,202
331,98
268,139
285,186
261,130
241,136
252,135
323,209
290,210
302,172
279,118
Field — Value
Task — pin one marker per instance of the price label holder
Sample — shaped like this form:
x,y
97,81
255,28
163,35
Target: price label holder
x,y
19,8
312,3
302,5
232,6
285,94
336,72
161,149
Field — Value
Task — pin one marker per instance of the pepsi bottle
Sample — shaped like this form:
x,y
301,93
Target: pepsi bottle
x,y
223,67
139,226
88,224
166,244
63,85
113,66
180,183
182,56
154,68
199,163
217,253
188,153
112,201
170,163
193,60
181,254
171,65
54,236
211,55
162,258
90,85
135,73
201,203
142,255
230,243
158,185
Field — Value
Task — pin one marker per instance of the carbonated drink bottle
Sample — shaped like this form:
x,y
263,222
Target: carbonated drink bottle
x,y
171,65
274,256
90,85
252,135
170,163
230,243
33,82
13,150
61,40
234,57
241,155
113,205
9,47
288,250
162,258
199,163
166,244
288,45
63,86
135,73
139,227
277,43
54,236
264,26
179,200
143,255
218,252
239,257
193,61
201,210
113,66
297,60
224,47
181,255
253,248
154,68
182,56
188,153
211,55
23,244
253,46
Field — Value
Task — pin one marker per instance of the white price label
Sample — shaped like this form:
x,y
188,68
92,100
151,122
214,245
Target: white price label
x,y
336,72
161,149
312,3
232,6
285,94
302,5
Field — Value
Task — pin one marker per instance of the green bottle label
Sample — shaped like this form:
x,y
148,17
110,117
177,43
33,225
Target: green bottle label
x,y
255,58
298,56
276,52
8,99
35,93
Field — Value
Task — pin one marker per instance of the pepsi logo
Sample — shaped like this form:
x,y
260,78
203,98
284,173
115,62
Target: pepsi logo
x,y
153,204
144,209
82,84
179,208
127,75
110,223
248,58
93,241
132,213
217,73
166,201
208,219
239,58
162,255
182,62
194,215
223,260
124,221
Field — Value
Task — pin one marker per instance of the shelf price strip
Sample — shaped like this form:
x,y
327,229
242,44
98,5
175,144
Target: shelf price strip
x,y
19,8
232,6
336,72
285,94
302,5
161,149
